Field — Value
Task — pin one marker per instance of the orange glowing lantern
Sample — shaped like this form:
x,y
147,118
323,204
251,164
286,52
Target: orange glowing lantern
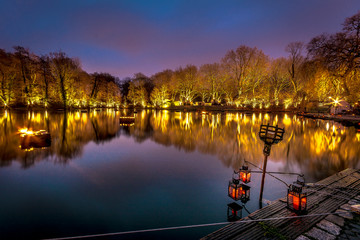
x,y
234,212
296,198
234,187
238,191
245,174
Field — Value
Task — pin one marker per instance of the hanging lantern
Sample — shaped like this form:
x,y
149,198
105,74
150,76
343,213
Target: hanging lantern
x,y
239,191
234,187
234,212
296,198
245,174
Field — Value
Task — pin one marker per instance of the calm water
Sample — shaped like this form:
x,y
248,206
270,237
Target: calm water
x,y
168,169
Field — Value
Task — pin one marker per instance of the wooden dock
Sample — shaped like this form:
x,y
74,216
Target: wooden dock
x,y
326,196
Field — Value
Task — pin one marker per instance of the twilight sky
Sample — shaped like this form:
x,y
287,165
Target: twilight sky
x,y
123,37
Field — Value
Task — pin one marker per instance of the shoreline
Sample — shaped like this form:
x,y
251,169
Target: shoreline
x,y
347,120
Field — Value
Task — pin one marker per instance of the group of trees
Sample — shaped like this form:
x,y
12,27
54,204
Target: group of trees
x,y
327,66
54,79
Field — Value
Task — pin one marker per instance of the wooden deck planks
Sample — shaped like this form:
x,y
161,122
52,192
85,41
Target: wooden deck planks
x,y
323,199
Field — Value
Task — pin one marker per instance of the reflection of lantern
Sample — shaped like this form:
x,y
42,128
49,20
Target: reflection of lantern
x,y
234,212
245,174
296,198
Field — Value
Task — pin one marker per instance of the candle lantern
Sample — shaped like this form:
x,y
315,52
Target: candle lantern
x,y
234,212
234,187
239,191
245,174
296,198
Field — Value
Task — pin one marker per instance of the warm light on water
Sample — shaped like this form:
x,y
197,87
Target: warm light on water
x,y
167,169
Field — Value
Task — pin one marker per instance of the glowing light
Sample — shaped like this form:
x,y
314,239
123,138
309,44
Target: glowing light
x,y
25,131
286,120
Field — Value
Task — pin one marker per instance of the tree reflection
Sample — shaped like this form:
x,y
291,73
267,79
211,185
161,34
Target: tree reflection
x,y
319,148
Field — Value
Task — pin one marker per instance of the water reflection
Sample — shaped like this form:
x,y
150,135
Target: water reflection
x,y
319,148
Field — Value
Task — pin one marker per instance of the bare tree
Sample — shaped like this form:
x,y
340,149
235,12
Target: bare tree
x,y
295,60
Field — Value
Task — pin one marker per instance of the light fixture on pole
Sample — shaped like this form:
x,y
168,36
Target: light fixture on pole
x,y
269,135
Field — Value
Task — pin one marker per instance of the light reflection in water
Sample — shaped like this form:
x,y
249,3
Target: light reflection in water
x,y
318,148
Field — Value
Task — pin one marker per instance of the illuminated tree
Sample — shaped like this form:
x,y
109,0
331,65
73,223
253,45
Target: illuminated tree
x,y
339,53
163,90
28,71
138,94
45,71
242,66
295,60
210,80
63,70
8,83
278,78
185,79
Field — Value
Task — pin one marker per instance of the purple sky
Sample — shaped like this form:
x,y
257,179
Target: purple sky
x,y
126,37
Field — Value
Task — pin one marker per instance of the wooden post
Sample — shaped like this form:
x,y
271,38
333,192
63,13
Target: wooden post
x,y
263,178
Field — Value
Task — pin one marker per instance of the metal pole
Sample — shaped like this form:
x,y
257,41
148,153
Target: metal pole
x,y
263,178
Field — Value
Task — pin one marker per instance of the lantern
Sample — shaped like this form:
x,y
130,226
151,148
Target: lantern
x,y
238,191
296,198
245,174
234,187
245,193
270,134
234,212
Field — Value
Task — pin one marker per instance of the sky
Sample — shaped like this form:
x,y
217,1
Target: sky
x,y
123,37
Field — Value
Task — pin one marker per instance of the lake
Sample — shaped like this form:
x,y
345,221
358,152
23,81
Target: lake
x,y
167,169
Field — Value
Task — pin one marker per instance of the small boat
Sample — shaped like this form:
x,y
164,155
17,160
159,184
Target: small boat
x,y
38,139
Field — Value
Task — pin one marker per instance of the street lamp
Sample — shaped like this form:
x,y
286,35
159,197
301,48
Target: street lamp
x,y
269,135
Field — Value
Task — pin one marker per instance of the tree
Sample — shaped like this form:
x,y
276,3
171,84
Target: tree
x,y
243,66
161,92
139,90
63,70
339,53
278,78
8,84
46,76
210,82
185,79
295,60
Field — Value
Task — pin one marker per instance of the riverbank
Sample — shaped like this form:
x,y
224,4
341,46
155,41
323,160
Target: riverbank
x,y
345,120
